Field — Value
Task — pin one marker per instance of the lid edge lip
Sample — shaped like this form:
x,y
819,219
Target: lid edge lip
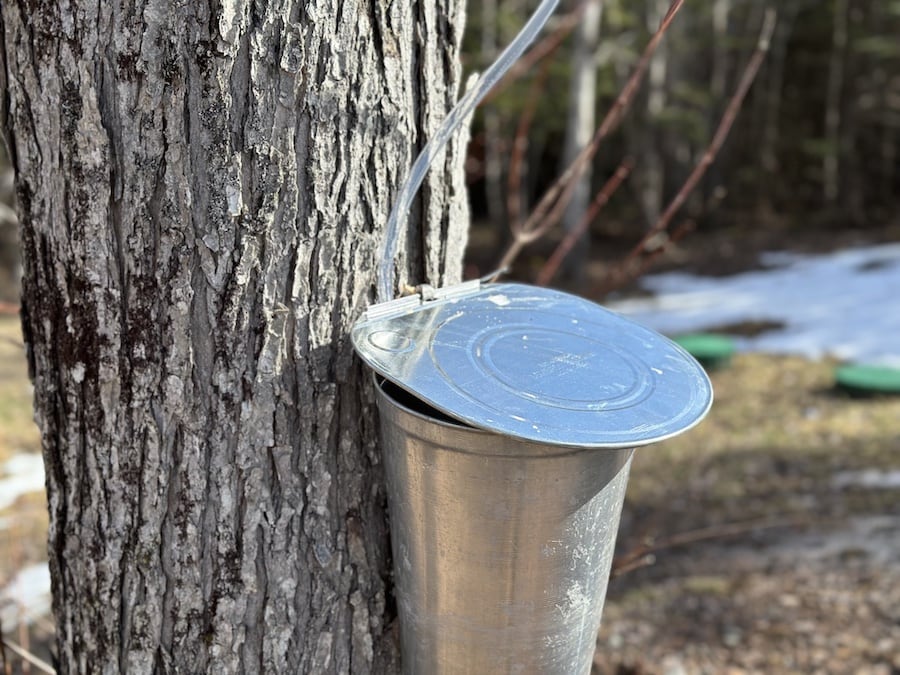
x,y
471,426
547,451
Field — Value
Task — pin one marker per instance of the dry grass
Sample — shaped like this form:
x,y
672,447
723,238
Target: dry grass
x,y
17,430
777,434
23,535
816,594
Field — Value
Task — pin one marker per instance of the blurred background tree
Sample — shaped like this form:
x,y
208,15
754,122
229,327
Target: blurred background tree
x,y
815,147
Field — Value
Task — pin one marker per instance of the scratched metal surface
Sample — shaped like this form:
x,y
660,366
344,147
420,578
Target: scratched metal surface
x,y
502,548
536,364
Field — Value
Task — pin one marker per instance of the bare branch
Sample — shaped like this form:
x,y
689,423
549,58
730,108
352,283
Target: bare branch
x,y
519,147
634,266
709,156
28,657
562,250
552,205
541,50
642,555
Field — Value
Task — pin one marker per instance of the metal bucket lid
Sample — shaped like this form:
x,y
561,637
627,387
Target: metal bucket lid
x,y
536,364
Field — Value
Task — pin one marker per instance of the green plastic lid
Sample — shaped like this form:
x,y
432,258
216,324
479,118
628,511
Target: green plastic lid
x,y
709,349
865,380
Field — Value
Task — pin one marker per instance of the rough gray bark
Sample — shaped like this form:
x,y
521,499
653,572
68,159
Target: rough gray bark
x,y
201,188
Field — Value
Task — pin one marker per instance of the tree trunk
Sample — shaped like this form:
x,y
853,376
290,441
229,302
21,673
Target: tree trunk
x,y
720,75
776,67
831,165
580,128
202,187
493,156
718,84
652,162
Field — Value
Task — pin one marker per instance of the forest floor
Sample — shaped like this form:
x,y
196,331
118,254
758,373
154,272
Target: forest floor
x,y
786,504
23,509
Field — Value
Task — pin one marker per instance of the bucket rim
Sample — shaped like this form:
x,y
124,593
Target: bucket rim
x,y
538,449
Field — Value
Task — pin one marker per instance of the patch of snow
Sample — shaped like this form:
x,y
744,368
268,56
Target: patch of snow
x,y
876,536
874,479
845,304
19,475
26,597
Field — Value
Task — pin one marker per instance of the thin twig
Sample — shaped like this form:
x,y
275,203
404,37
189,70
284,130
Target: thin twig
x,y
7,668
624,273
562,250
9,309
633,559
25,645
677,234
519,147
555,200
632,565
28,657
709,156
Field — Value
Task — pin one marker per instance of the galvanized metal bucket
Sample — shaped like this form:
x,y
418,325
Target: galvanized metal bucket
x,y
502,548
508,421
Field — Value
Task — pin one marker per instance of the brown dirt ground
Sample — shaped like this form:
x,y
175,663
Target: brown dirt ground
x,y
795,569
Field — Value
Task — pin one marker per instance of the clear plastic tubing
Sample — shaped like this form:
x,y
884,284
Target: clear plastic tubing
x,y
460,112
